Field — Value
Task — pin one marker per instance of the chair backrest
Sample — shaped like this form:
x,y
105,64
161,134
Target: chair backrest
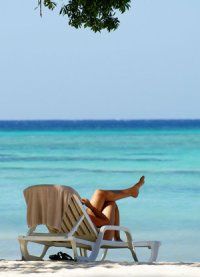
x,y
59,208
74,212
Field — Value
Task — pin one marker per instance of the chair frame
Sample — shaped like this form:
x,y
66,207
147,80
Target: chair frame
x,y
69,240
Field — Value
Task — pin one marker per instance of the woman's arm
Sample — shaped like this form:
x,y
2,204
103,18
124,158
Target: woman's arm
x,y
96,212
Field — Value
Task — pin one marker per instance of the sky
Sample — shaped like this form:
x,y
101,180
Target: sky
x,y
148,69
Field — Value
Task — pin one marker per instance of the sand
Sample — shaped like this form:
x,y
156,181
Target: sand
x,y
97,269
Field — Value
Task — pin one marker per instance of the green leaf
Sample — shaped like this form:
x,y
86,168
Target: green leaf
x,y
94,14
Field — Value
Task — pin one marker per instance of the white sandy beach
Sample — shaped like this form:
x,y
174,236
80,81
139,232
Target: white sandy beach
x,y
96,269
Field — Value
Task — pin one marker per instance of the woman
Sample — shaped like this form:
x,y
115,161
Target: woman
x,y
103,210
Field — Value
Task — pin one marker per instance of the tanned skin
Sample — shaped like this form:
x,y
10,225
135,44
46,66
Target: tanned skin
x,y
103,210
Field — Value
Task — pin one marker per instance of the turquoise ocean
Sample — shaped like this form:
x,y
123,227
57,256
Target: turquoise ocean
x,y
110,155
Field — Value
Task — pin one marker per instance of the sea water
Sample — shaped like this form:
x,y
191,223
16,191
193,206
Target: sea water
x,y
88,155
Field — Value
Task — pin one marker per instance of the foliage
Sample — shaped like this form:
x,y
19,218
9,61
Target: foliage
x,y
94,14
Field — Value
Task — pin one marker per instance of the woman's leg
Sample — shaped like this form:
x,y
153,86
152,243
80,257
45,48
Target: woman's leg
x,y
117,223
109,211
100,197
110,216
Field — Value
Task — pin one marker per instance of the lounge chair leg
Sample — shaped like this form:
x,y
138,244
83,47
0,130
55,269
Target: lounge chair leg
x,y
131,246
86,257
44,251
25,253
154,251
105,252
133,254
82,252
73,244
85,252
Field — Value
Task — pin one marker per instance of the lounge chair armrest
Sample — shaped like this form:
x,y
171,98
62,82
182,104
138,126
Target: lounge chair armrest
x,y
105,228
129,241
114,228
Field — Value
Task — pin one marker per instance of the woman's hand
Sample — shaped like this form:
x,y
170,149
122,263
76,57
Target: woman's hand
x,y
86,202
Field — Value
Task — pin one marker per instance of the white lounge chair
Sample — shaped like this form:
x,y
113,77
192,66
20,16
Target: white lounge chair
x,y
79,232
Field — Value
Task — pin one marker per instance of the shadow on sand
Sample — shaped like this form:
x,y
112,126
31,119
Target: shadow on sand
x,y
23,267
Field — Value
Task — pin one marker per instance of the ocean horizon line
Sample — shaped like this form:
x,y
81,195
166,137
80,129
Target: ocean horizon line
x,y
121,119
67,125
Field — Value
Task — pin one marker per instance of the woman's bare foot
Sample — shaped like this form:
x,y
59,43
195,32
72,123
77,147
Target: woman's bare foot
x,y
136,187
141,182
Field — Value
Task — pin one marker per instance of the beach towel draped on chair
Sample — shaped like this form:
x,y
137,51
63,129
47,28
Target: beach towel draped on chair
x,y
46,204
